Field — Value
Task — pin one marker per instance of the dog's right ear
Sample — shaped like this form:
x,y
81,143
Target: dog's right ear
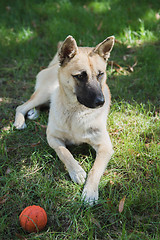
x,y
67,50
104,48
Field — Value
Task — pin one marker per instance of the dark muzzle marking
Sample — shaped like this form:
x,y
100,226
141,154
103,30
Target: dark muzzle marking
x,y
90,96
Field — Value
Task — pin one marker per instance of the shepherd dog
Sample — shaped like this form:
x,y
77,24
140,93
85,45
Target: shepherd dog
x,y
74,84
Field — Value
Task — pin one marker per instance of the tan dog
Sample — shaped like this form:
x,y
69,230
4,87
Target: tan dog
x,y
75,83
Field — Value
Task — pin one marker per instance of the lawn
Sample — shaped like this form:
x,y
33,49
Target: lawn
x,y
30,171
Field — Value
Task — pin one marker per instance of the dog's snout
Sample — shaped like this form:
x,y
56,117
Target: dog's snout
x,y
90,96
99,101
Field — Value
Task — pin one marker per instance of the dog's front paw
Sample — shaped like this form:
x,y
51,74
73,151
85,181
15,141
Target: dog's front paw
x,y
90,194
20,122
19,126
33,114
78,175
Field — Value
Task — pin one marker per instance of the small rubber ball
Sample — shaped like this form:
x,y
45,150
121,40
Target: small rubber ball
x,y
33,219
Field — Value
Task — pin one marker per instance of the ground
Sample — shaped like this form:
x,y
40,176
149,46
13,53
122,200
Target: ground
x,y
30,171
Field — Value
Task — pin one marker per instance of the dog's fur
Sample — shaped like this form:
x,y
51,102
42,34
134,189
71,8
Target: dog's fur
x,y
75,83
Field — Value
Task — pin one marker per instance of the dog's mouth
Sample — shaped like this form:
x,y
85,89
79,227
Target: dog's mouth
x,y
92,103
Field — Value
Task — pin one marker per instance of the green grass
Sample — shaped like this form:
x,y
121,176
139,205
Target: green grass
x,y
30,171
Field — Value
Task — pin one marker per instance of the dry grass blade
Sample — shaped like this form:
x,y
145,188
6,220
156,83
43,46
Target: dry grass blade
x,y
121,204
41,125
4,198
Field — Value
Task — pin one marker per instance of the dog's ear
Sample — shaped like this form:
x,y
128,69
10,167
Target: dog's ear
x,y
104,48
67,50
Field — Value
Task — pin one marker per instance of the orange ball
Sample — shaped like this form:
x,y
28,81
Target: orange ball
x,y
33,219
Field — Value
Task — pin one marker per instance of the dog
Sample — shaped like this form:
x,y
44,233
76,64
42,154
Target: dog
x,y
75,84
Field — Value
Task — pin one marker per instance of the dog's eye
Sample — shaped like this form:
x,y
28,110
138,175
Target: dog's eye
x,y
100,75
78,77
81,77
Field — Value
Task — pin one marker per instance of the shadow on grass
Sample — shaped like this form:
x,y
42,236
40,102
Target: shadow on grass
x,y
141,85
54,20
89,22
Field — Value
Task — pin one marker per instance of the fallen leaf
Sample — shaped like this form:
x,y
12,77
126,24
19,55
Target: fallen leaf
x,y
125,57
111,182
28,174
117,41
130,68
109,202
8,171
112,63
6,128
41,125
135,62
157,16
121,204
35,144
99,26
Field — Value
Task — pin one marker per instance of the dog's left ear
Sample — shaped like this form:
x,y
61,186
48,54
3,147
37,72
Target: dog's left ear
x,y
67,50
104,48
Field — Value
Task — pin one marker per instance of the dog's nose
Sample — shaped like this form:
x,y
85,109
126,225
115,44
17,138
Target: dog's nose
x,y
99,101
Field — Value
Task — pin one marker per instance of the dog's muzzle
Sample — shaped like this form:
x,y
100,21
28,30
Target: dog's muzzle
x,y
92,102
90,95
99,101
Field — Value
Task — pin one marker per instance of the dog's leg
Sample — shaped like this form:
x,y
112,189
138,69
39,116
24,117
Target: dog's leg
x,y
104,152
38,98
76,172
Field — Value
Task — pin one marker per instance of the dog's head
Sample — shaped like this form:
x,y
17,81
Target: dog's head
x,y
82,72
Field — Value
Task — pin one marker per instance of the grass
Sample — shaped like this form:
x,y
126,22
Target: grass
x,y
30,171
